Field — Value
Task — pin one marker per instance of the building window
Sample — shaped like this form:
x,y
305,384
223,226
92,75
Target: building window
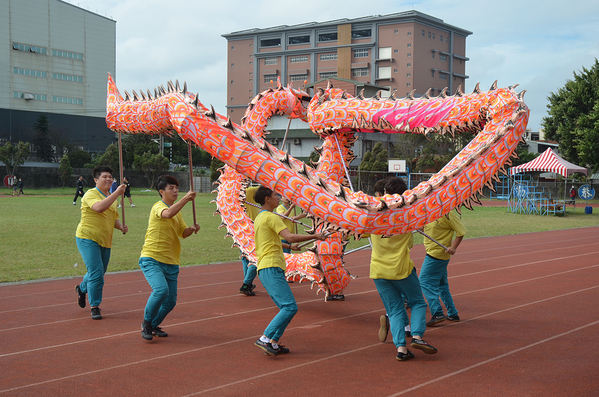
x,y
441,37
409,55
298,77
394,70
433,73
251,80
446,39
232,47
29,72
67,77
409,33
409,45
327,75
28,96
443,57
423,33
384,72
396,31
231,81
443,76
270,61
433,35
360,53
232,64
270,77
270,42
298,59
433,54
67,54
29,48
409,65
408,84
328,57
385,53
299,39
395,51
429,35
408,75
70,101
359,72
361,34
327,37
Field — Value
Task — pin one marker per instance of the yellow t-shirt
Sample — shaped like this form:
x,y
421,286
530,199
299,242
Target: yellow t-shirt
x,y
281,209
442,230
162,238
269,249
249,197
390,258
97,226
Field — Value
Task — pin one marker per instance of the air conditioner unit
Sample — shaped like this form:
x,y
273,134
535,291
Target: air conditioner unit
x,y
28,97
297,141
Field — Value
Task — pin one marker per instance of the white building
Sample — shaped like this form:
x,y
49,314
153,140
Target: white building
x,y
54,60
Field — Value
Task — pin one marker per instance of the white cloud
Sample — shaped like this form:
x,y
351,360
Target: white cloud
x,y
535,44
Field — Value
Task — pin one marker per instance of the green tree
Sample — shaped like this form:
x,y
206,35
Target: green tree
x,y
110,157
137,145
152,165
573,119
375,160
42,141
79,158
14,155
65,170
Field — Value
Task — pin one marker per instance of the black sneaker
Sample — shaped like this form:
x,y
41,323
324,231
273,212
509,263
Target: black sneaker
x,y
436,319
253,287
80,296
384,329
157,331
455,319
267,347
96,313
404,356
247,290
408,333
146,330
423,345
282,350
336,297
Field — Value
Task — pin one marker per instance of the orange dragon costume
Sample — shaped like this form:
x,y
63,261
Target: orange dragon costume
x,y
498,116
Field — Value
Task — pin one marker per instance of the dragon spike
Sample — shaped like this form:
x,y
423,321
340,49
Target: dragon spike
x,y
127,97
303,170
410,95
427,94
171,87
150,95
143,95
285,159
185,88
493,86
377,96
177,88
318,150
135,97
361,94
329,85
512,87
520,96
229,124
156,94
163,89
476,89
459,92
341,193
443,93
392,96
195,101
344,95
476,199
211,113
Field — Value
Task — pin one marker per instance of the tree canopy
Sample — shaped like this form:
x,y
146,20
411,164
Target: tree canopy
x,y
42,141
573,119
14,155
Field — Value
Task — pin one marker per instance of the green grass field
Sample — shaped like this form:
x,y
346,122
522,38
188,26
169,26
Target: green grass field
x,y
37,232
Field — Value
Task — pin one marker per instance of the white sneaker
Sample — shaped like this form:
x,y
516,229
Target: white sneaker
x,y
119,206
74,203
132,205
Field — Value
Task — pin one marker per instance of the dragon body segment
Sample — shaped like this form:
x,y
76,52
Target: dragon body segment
x,y
498,115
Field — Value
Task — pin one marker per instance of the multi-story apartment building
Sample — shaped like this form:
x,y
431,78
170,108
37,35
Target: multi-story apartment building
x,y
55,62
406,51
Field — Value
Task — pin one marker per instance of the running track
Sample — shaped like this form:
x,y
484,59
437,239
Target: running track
x,y
528,304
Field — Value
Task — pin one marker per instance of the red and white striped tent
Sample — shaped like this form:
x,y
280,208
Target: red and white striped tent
x,y
549,162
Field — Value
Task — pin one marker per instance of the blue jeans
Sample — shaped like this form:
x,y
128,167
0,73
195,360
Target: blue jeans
x,y
249,272
96,260
433,280
392,294
163,280
273,279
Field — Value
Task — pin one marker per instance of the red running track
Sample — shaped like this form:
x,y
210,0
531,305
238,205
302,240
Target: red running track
x,y
528,305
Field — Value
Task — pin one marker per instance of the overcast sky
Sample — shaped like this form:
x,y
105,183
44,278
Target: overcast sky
x,y
537,44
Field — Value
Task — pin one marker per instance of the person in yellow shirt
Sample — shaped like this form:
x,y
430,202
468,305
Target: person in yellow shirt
x,y
395,277
99,218
286,208
433,275
249,271
268,231
159,259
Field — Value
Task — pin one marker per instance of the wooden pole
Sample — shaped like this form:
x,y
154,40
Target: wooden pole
x,y
193,204
121,176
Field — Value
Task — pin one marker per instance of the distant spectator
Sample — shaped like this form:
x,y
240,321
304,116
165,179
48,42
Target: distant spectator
x,y
20,185
14,186
79,192
573,194
127,192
